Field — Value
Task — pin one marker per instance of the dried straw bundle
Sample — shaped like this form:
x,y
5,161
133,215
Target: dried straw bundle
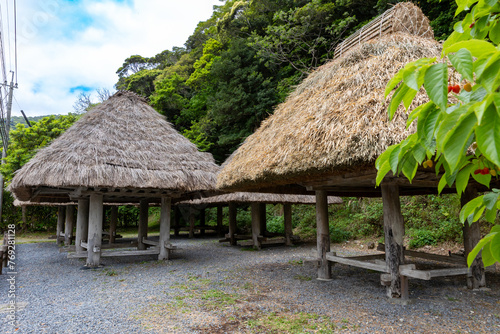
x,y
335,121
242,197
404,17
122,143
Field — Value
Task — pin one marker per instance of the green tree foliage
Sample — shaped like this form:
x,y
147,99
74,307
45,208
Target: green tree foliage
x,y
448,131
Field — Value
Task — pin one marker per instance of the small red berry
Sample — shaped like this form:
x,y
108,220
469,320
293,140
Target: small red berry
x,y
477,171
486,170
456,89
472,25
450,88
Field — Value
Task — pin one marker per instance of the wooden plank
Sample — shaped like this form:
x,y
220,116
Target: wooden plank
x,y
263,242
323,235
436,257
368,257
153,251
65,249
150,242
357,263
449,272
84,245
394,232
77,255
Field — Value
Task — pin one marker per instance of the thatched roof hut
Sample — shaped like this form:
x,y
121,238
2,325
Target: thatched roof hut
x,y
120,147
334,123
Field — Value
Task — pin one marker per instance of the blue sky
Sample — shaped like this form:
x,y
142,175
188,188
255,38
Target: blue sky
x,y
70,46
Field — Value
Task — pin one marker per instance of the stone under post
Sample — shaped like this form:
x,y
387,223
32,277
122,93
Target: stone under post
x,y
394,231
94,240
112,224
166,206
323,235
232,223
82,224
287,217
61,215
476,278
143,224
69,224
256,224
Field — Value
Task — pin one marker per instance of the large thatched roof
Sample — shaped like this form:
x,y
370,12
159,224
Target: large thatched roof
x,y
335,122
121,144
243,197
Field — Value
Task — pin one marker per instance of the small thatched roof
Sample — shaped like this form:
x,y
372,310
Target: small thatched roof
x,y
121,144
242,197
335,122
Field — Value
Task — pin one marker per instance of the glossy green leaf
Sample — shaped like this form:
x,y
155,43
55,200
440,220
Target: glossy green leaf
x,y
409,167
382,171
490,200
488,133
477,48
495,32
457,138
487,256
426,125
490,76
442,183
490,215
495,247
463,177
419,152
482,179
462,61
436,84
384,156
479,246
469,208
395,80
394,159
416,112
398,96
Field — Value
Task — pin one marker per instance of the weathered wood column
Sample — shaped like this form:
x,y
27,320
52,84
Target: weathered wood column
x,y
112,223
94,240
166,206
61,215
394,231
202,221
82,224
232,223
287,217
143,224
177,220
219,221
471,234
256,224
323,235
192,220
263,219
69,224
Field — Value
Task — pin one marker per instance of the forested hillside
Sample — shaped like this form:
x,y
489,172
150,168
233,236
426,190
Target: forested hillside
x,y
245,59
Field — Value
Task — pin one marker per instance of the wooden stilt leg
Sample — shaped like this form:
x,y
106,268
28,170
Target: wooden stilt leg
x,y
287,215
219,221
164,228
112,224
82,224
263,219
69,224
323,235
61,215
394,231
232,223
202,221
191,223
94,240
471,234
256,224
143,224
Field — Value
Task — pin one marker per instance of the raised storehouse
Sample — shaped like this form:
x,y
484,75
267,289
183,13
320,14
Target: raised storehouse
x,y
327,135
121,151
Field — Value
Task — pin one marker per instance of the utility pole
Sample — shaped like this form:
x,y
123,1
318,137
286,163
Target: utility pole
x,y
6,144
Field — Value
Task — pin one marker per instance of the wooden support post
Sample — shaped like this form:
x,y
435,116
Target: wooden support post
x,y
112,224
256,224
166,206
263,219
191,223
61,215
143,224
69,224
323,235
82,224
94,240
471,234
202,221
177,221
287,217
220,232
232,223
394,231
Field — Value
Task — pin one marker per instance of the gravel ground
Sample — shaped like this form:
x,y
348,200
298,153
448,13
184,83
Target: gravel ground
x,y
209,287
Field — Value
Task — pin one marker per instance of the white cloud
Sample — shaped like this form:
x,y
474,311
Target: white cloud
x,y
65,45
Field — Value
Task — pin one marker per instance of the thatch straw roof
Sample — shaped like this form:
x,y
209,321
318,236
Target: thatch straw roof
x,y
333,123
242,197
121,144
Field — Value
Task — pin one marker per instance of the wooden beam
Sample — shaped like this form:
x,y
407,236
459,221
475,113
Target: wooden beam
x,y
323,235
472,234
153,251
143,224
394,233
61,215
112,224
150,242
69,224
94,239
232,223
331,256
287,218
82,224
166,206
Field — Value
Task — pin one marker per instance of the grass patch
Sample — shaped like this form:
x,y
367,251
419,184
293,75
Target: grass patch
x,y
293,323
296,262
302,278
